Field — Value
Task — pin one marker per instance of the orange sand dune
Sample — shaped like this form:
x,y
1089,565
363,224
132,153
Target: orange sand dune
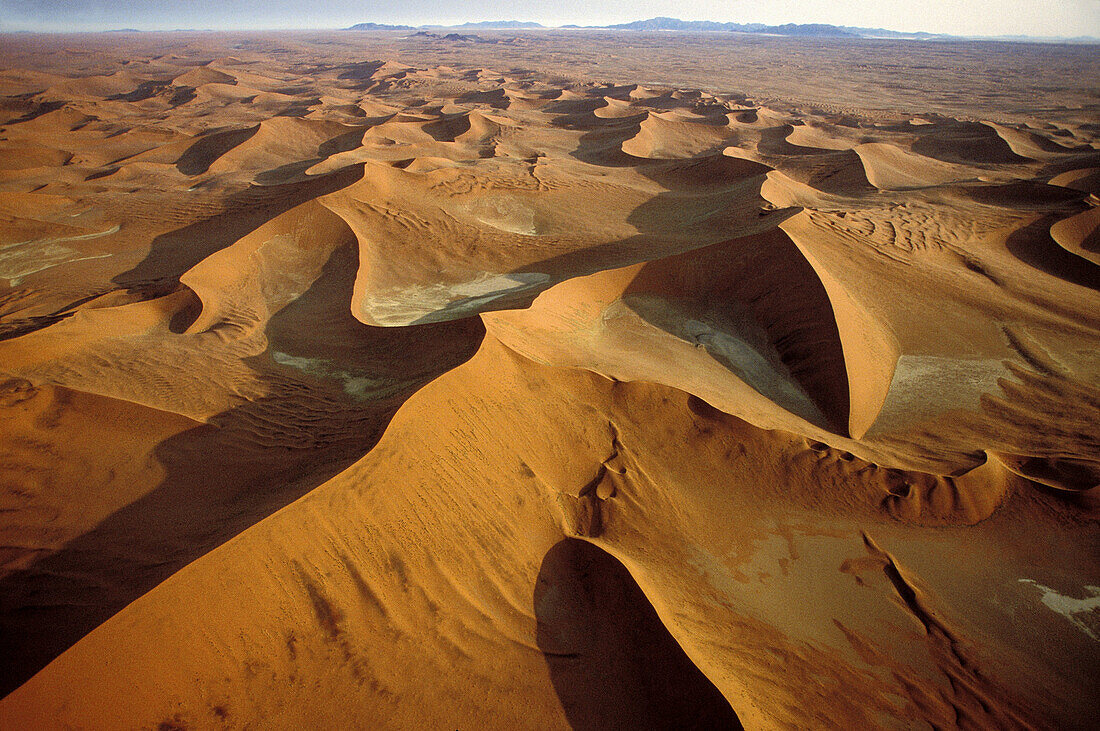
x,y
392,381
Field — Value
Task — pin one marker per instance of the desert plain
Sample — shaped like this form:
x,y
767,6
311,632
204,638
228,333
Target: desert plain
x,y
556,379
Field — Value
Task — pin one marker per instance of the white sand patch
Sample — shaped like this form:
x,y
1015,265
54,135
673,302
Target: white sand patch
x,y
424,303
506,214
24,258
357,385
748,363
733,340
1073,609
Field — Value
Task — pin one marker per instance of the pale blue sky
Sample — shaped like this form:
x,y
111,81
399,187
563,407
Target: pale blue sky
x,y
960,17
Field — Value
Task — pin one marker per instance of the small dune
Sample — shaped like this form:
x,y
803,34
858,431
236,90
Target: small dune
x,y
666,136
1080,234
891,168
202,75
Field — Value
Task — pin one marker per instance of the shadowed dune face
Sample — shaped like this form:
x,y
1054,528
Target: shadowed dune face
x,y
612,662
783,298
385,381
198,158
330,394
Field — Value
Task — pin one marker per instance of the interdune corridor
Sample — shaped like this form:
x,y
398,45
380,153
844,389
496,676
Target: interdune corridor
x,y
366,380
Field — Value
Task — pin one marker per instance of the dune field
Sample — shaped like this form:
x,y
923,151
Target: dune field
x,y
548,380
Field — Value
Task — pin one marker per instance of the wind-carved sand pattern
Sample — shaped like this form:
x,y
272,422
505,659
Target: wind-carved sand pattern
x,y
389,391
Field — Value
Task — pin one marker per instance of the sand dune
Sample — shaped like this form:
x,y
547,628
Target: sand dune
x,y
670,136
421,388
1080,234
892,168
203,75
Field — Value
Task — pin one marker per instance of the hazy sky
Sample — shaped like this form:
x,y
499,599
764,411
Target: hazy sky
x,y
960,17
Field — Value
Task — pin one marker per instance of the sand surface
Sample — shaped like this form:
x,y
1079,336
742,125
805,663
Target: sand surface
x,y
548,380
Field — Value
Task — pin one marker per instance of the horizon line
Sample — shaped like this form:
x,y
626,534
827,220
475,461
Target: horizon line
x,y
490,25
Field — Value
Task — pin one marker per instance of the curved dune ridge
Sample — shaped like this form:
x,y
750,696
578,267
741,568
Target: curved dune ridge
x,y
345,393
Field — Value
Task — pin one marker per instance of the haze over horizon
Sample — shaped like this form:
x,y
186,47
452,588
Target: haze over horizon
x,y
1036,18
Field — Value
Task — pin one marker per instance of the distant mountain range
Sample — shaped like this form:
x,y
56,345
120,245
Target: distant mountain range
x,y
492,24
485,24
813,30
789,29
379,26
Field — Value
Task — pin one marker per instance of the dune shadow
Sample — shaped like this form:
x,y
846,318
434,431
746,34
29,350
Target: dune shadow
x,y
965,143
756,306
198,158
37,111
226,475
357,71
1034,246
359,75
613,664
447,128
174,252
1025,195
